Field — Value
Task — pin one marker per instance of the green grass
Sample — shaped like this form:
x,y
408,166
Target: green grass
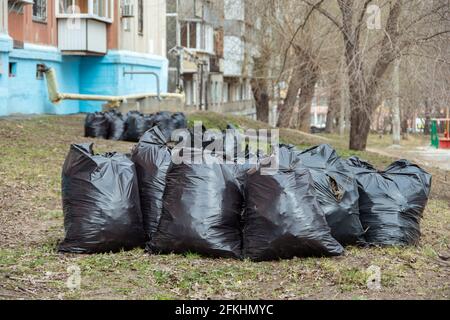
x,y
32,152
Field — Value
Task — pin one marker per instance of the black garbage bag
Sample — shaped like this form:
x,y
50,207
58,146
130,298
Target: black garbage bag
x,y
194,138
152,158
180,120
283,218
96,125
163,120
168,123
101,203
116,125
337,193
136,125
163,115
391,202
233,143
201,212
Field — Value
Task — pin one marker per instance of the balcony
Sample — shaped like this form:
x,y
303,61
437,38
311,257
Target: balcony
x,y
82,26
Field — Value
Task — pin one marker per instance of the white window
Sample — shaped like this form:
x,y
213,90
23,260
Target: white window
x,y
40,10
189,34
188,92
209,38
102,10
216,92
225,92
196,35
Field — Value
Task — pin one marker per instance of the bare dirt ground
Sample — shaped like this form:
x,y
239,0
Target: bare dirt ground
x,y
32,151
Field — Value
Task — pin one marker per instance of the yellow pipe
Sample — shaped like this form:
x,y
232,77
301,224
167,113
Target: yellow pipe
x,y
56,97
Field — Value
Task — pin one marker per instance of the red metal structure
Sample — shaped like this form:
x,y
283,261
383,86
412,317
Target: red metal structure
x,y
444,142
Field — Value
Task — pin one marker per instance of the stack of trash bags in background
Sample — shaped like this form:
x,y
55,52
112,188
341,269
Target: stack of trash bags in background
x,y
112,125
314,204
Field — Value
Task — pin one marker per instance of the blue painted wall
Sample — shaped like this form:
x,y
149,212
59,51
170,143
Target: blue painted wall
x,y
28,94
104,76
24,93
5,47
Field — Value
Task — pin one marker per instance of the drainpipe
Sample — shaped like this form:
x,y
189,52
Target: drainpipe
x,y
158,89
114,101
201,87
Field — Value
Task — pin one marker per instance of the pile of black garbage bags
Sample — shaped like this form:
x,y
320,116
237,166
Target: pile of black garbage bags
x,y
313,203
113,125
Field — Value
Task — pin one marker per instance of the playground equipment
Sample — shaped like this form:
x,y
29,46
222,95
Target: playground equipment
x,y
436,140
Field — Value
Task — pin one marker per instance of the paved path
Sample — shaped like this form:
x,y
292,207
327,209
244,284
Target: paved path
x,y
428,156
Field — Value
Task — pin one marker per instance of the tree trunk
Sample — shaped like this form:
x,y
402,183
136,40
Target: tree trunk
x,y
308,90
342,111
287,109
360,111
405,127
329,125
427,124
396,122
259,89
363,91
343,101
359,130
304,77
333,105
362,104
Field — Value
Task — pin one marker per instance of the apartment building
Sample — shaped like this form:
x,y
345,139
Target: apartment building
x,y
206,50
90,43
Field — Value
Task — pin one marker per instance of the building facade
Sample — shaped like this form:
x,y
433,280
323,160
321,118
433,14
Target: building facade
x,y
206,50
90,43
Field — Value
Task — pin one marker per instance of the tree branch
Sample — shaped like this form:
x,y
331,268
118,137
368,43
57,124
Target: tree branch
x,y
301,27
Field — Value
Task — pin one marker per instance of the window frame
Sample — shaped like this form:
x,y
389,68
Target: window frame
x,y
36,18
109,11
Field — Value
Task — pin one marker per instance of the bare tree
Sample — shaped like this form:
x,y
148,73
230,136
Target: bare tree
x,y
367,62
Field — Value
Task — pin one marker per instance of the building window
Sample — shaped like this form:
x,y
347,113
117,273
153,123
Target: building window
x,y
39,71
196,35
40,10
141,17
12,69
98,9
172,32
189,35
225,97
